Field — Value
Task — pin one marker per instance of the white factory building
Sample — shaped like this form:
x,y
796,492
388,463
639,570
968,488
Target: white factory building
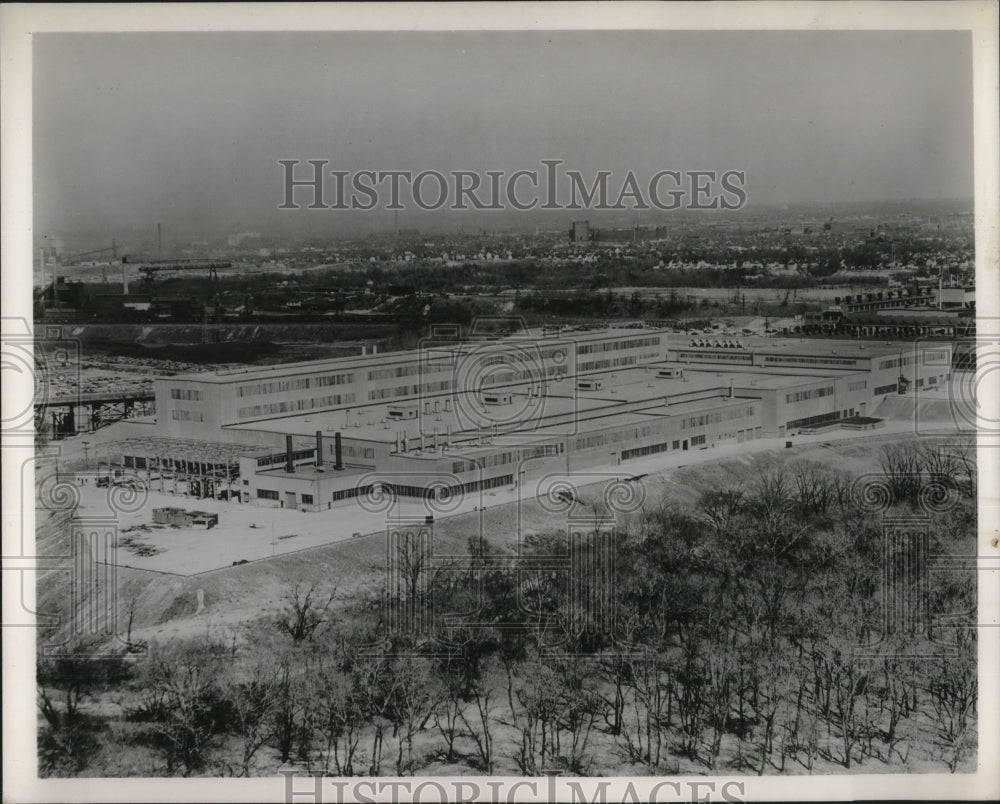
x,y
457,416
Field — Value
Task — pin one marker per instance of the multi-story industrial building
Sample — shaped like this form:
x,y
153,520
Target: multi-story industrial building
x,y
461,416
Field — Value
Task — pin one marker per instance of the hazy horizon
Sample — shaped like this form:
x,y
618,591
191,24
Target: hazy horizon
x,y
186,129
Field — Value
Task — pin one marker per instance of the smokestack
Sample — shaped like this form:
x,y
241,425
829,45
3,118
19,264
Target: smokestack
x,y
319,448
289,466
338,452
159,243
55,287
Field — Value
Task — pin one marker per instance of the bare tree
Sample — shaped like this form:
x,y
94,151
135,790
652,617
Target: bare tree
x,y
251,699
953,691
303,614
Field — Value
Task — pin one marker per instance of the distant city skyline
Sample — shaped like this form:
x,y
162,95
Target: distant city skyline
x,y
186,129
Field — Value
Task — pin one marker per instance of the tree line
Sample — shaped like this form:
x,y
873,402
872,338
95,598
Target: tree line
x,y
742,641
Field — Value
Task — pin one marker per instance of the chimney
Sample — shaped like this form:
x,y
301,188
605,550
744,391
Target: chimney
x,y
289,466
319,448
338,452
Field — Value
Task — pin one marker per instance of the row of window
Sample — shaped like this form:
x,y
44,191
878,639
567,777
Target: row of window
x,y
640,452
813,421
609,362
293,405
409,390
279,458
503,458
812,393
727,356
187,394
715,417
857,385
282,386
886,389
407,370
894,362
616,362
823,361
614,346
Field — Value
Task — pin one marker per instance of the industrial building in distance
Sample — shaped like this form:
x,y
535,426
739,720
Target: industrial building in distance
x,y
461,415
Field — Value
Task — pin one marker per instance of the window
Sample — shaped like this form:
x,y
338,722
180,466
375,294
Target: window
x,y
696,440
307,499
266,494
812,393
812,421
614,346
639,452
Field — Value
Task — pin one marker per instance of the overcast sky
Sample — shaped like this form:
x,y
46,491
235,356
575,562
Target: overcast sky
x,y
186,129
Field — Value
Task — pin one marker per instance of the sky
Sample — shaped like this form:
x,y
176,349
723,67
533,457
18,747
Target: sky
x,y
186,129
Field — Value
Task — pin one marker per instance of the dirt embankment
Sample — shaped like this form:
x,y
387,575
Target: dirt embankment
x,y
165,606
